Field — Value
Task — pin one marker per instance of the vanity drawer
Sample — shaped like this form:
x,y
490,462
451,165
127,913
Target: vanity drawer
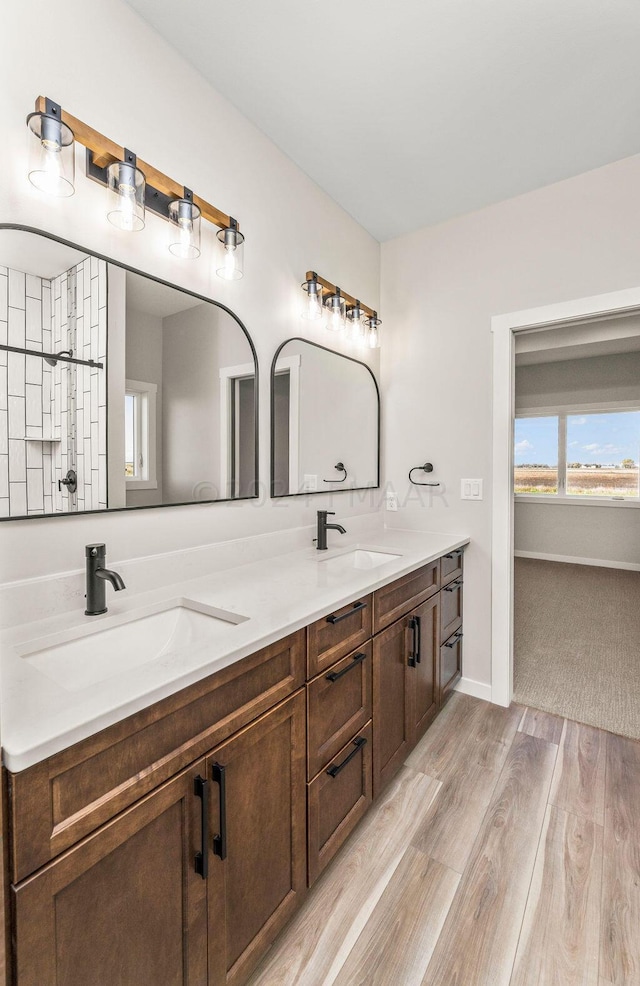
x,y
450,665
337,799
339,704
394,600
450,609
451,566
59,801
337,634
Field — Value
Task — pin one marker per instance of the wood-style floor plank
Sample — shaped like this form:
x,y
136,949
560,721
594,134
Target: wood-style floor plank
x,y
479,939
559,940
451,825
318,940
578,780
397,941
620,912
544,725
438,752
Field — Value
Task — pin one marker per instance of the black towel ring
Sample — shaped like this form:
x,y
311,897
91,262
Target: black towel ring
x,y
340,467
427,467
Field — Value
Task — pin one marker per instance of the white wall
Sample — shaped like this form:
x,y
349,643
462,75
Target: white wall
x,y
608,532
440,287
161,108
143,362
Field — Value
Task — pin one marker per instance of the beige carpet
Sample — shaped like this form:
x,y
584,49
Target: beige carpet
x,y
577,643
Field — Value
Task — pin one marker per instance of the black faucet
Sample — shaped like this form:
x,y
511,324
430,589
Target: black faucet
x,y
323,527
97,575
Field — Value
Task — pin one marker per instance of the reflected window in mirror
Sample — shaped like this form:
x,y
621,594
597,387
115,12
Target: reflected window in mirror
x,y
145,392
325,421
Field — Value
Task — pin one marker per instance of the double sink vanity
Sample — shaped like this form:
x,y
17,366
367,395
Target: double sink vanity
x,y
181,769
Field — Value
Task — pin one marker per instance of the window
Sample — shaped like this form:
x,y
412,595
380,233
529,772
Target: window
x,y
582,454
140,435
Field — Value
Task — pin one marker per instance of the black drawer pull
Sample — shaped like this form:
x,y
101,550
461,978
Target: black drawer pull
x,y
454,640
358,659
202,858
220,841
355,609
453,585
455,554
358,743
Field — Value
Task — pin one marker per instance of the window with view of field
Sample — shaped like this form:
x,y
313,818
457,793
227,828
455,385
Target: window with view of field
x,y
586,454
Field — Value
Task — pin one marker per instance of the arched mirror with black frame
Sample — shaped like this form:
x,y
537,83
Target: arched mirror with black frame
x,y
117,390
325,421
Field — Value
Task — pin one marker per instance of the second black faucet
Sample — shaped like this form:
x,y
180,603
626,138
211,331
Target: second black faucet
x,y
323,527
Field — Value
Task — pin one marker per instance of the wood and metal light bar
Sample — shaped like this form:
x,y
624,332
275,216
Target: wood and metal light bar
x,y
102,151
323,294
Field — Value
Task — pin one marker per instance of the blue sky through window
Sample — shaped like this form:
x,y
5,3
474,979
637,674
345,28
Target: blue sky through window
x,y
591,438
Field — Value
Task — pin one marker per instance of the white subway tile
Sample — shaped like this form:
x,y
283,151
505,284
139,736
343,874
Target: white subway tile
x,y
4,432
4,475
17,461
4,507
34,321
33,406
16,417
4,328
4,392
16,333
17,499
102,284
16,289
16,374
33,369
34,455
33,286
4,296
35,490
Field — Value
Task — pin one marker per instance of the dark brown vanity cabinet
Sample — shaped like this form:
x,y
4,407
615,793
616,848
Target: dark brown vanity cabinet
x,y
187,888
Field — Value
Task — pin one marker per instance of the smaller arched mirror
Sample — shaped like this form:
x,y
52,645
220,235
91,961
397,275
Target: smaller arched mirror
x,y
325,421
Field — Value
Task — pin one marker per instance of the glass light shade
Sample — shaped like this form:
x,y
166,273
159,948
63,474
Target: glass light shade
x,y
355,320
126,185
185,229
312,309
232,264
372,331
51,155
335,306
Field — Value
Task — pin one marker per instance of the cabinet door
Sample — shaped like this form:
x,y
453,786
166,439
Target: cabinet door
x,y
392,729
424,626
257,870
126,906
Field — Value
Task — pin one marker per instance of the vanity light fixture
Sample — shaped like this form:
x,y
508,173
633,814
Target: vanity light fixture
x,y
326,299
184,217
335,305
133,185
126,184
372,326
232,265
51,155
312,309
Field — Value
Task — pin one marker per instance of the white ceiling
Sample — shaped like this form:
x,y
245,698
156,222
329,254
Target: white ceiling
x,y
410,112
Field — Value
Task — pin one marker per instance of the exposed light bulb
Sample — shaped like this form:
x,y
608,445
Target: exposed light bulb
x,y
312,310
185,228
126,185
232,240
51,159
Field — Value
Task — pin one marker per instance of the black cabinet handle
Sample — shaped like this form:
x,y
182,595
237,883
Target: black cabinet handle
x,y
455,554
358,743
417,638
411,660
218,773
202,857
454,640
358,659
453,585
355,609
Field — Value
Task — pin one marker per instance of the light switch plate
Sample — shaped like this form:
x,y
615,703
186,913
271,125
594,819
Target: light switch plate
x,y
471,489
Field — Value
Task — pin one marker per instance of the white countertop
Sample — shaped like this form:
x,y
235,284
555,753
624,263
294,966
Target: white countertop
x,y
277,596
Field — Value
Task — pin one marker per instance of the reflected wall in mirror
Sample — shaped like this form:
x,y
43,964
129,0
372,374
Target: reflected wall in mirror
x,y
116,390
325,421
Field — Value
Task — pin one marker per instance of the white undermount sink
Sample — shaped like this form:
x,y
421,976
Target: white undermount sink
x,y
360,559
95,652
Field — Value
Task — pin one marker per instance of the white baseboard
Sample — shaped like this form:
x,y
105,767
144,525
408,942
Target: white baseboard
x,y
477,689
629,566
